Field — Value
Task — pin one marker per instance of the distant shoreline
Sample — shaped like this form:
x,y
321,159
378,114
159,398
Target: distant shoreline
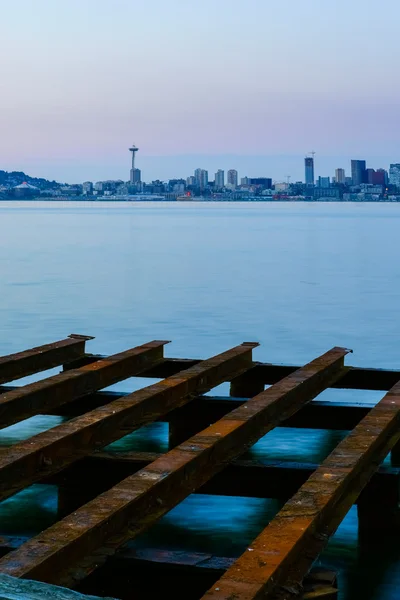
x,y
200,200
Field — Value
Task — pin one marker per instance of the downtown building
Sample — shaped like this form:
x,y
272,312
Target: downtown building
x,y
358,172
309,170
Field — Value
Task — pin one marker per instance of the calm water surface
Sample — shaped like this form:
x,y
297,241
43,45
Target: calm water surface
x,y
298,278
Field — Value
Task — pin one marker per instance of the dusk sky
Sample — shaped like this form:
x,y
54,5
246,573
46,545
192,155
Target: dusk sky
x,y
252,85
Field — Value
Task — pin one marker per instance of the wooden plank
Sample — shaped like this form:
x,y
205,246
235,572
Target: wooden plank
x,y
41,358
49,452
287,547
359,378
203,410
46,394
133,505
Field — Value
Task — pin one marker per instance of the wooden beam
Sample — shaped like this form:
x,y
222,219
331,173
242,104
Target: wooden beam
x,y
283,553
101,526
97,473
268,374
41,358
29,461
45,395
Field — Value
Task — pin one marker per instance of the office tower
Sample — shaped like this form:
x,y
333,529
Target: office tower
x,y
340,175
358,172
394,174
309,170
219,179
232,178
201,178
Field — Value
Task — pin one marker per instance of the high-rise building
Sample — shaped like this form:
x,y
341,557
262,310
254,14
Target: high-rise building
x,y
219,179
245,181
309,170
201,177
358,172
232,179
394,174
340,175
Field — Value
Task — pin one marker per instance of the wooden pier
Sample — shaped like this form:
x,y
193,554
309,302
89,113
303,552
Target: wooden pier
x,y
107,499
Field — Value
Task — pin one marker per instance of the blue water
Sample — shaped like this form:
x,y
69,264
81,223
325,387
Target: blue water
x,y
298,278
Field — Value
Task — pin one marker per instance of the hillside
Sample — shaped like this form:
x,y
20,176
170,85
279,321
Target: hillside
x,y
13,178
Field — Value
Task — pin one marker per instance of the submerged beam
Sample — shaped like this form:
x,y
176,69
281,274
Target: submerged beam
x,y
45,395
359,378
29,461
95,474
41,358
104,524
283,553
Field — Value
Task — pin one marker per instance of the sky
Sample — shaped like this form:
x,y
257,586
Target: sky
x,y
246,84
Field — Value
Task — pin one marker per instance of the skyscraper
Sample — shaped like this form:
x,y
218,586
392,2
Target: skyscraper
x,y
232,178
340,175
358,172
394,175
309,170
219,179
201,177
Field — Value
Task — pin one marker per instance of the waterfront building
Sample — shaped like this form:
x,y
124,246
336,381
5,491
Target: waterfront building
x,y
219,179
340,176
394,174
232,179
309,170
358,172
264,182
201,178
87,188
324,182
25,190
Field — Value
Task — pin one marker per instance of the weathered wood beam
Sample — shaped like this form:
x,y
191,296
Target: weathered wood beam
x,y
47,394
91,476
29,461
359,378
41,358
104,524
282,554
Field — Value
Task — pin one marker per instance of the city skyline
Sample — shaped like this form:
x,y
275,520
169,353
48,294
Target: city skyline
x,y
238,83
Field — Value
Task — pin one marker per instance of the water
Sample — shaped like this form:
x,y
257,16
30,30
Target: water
x,y
298,278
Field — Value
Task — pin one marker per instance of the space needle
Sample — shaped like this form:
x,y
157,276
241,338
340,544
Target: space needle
x,y
132,178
